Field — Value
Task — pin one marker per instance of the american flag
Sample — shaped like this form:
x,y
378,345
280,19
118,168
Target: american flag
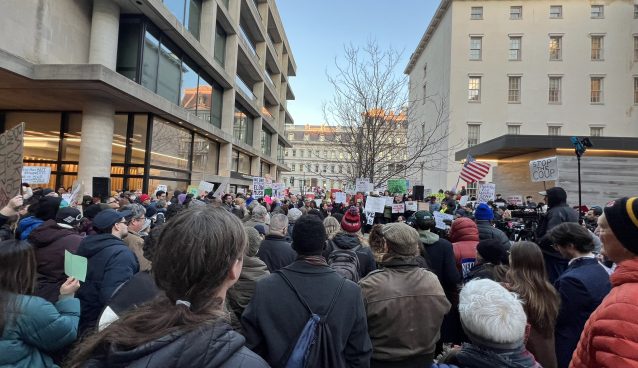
x,y
474,170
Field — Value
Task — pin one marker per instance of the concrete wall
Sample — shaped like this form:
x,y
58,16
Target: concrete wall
x,y
512,177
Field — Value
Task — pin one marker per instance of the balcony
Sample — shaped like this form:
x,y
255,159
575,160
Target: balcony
x,y
242,86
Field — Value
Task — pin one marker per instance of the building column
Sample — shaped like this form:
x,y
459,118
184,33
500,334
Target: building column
x,y
96,142
105,25
207,25
257,125
225,159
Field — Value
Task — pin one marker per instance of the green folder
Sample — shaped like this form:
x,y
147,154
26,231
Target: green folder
x,y
75,266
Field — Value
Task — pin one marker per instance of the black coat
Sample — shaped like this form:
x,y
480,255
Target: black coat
x,y
275,317
487,231
208,346
367,263
276,252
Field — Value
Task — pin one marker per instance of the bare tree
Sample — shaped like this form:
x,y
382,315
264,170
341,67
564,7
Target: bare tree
x,y
371,115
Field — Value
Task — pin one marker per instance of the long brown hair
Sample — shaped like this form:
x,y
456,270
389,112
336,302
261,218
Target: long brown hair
x,y
18,274
193,256
528,278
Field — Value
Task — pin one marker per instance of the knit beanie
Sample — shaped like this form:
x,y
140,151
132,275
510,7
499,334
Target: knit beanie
x,y
254,240
622,216
483,212
351,221
47,208
401,239
308,235
492,251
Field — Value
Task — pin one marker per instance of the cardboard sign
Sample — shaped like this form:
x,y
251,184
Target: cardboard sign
x,y
439,218
398,208
486,193
362,185
397,186
412,206
11,146
515,200
375,204
259,184
340,197
544,169
205,186
36,174
75,266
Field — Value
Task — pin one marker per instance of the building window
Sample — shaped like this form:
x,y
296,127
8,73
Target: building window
x,y
635,48
556,11
476,13
266,142
243,127
301,153
516,12
170,145
291,136
596,131
205,157
293,167
555,89
264,169
513,129
597,48
473,134
514,90
555,47
475,48
515,48
220,45
241,162
635,90
596,90
474,89
597,11
553,130
635,11
187,12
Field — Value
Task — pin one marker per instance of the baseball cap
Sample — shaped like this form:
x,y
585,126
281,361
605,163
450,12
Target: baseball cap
x,y
68,216
107,218
145,197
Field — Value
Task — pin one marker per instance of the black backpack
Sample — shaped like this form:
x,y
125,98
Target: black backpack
x,y
345,262
313,348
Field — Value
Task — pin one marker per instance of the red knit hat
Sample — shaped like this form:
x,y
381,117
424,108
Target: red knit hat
x,y
351,221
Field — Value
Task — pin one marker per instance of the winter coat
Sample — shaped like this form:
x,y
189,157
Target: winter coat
x,y
487,231
135,243
35,328
27,225
346,241
542,346
609,338
582,288
209,346
439,254
252,223
464,237
50,240
240,294
276,252
474,356
3,219
557,213
110,264
393,296
275,317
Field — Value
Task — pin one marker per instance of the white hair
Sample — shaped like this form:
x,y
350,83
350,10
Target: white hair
x,y
492,313
278,222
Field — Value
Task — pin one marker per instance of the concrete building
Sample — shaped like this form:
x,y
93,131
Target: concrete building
x,y
533,67
147,92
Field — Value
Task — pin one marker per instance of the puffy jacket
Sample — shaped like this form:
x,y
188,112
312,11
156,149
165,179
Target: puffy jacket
x,y
394,296
487,231
209,346
35,328
50,241
345,241
276,252
27,225
240,294
610,337
464,237
110,264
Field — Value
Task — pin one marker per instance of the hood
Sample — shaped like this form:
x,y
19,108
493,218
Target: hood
x,y
626,272
464,229
92,244
27,225
48,233
472,356
346,241
556,196
428,237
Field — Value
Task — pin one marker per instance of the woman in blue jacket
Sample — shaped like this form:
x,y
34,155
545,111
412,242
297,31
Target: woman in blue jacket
x,y
30,327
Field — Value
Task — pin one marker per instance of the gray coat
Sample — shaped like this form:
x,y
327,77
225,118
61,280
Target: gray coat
x,y
487,231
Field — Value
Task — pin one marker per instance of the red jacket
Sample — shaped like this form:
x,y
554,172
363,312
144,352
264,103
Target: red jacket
x,y
610,337
464,236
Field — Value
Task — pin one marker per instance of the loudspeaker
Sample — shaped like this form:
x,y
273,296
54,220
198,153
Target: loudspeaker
x,y
101,188
417,192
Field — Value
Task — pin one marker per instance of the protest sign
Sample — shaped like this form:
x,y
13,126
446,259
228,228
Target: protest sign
x,y
427,192
76,194
193,190
375,204
362,185
411,206
397,186
398,208
340,197
161,187
424,206
463,200
205,186
388,200
370,218
36,174
259,184
11,146
318,202
75,266
544,169
221,189
515,200
440,218
486,192
277,190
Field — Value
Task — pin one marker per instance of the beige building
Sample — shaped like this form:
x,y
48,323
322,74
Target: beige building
x,y
147,92
533,67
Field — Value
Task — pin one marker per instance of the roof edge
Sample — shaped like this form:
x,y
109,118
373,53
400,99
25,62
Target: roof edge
x,y
434,22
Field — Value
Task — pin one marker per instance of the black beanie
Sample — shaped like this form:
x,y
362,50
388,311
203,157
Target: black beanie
x,y
48,208
622,216
308,235
492,251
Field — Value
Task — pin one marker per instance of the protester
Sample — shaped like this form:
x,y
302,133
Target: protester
x,y
490,259
377,243
275,250
394,295
529,202
527,277
609,338
484,216
293,216
582,286
333,227
31,328
227,204
133,240
45,209
283,303
464,237
259,217
113,203
434,207
184,326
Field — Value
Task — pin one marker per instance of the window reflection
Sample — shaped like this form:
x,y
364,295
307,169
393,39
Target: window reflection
x,y
170,145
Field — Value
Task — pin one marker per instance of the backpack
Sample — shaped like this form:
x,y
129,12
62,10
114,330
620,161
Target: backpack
x,y
313,347
346,263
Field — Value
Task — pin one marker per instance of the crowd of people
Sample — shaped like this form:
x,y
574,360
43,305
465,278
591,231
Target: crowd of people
x,y
237,281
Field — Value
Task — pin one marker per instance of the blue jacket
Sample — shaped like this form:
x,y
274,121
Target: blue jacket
x,y
37,327
582,287
110,264
27,225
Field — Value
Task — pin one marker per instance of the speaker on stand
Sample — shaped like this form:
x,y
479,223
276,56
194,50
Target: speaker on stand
x,y
417,192
101,188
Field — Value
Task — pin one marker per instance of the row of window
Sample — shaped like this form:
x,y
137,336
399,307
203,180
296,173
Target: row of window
x,y
597,11
554,89
474,131
334,169
315,154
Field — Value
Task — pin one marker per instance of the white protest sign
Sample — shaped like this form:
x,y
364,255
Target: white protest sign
x,y
221,189
370,218
388,201
318,202
515,200
36,174
277,190
544,169
439,218
486,192
205,186
398,208
375,204
161,187
411,206
463,200
259,185
362,185
340,197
